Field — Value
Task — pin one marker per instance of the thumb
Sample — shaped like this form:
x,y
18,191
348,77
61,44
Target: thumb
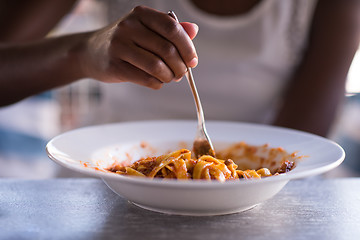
x,y
190,28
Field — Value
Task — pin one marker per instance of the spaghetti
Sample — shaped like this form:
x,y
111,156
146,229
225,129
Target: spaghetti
x,y
180,165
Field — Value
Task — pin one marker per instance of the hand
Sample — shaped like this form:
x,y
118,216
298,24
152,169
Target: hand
x,y
145,47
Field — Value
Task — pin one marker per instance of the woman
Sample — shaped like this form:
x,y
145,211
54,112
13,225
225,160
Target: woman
x,y
280,62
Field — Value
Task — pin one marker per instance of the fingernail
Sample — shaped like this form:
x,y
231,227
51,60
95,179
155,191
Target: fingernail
x,y
193,63
196,28
178,80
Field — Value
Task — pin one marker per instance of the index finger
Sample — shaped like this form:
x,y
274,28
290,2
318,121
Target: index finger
x,y
169,28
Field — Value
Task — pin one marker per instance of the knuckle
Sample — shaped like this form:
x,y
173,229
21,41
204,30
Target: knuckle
x,y
138,10
168,50
156,67
133,16
124,23
172,29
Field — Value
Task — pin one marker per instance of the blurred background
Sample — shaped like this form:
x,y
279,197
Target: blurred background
x,y
27,126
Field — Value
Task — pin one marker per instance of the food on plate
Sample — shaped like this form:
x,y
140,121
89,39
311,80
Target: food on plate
x,y
256,162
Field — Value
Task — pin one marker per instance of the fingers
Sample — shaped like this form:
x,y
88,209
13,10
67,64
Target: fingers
x,y
168,28
126,72
145,61
191,29
161,49
146,47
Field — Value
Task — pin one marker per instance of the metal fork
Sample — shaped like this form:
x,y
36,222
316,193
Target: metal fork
x,y
202,144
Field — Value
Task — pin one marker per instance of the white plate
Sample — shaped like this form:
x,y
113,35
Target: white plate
x,y
94,146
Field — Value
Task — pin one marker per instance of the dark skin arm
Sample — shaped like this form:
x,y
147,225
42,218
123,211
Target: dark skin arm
x,y
310,103
24,21
28,69
145,47
317,87
26,62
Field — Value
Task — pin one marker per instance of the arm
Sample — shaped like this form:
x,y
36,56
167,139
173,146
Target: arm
x,y
28,69
22,21
146,47
317,87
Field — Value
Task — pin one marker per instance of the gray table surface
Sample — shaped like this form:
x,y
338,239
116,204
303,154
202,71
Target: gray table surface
x,y
87,209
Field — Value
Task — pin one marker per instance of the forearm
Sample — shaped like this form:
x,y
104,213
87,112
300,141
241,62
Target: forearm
x,y
147,47
311,109
24,21
317,87
29,69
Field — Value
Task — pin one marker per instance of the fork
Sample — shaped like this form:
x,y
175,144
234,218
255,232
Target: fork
x,y
202,144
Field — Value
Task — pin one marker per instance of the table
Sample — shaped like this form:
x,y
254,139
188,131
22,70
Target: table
x,y
80,208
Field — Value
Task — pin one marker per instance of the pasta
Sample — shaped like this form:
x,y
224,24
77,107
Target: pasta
x,y
180,165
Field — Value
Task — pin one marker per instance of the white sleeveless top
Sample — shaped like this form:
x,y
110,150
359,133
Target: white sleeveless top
x,y
244,64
